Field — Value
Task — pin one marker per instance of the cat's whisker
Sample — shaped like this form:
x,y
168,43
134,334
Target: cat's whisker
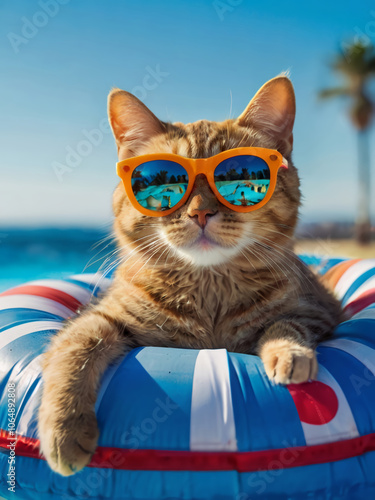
x,y
104,275
107,258
157,241
176,258
147,261
144,246
136,248
268,266
260,225
271,259
165,250
100,242
272,249
118,261
110,236
141,246
273,264
243,253
261,257
288,264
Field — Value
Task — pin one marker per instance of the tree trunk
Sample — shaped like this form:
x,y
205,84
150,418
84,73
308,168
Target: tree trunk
x,y
363,224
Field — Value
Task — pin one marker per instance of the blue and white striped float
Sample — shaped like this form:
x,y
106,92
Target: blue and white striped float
x,y
197,424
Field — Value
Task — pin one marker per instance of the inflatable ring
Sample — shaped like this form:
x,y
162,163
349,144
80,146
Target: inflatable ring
x,y
192,424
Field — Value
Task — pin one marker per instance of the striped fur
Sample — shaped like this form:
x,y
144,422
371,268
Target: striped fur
x,y
247,293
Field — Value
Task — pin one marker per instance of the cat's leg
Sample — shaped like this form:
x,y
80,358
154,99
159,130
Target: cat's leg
x,y
72,368
288,353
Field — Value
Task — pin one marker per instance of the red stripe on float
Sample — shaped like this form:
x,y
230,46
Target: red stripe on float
x,y
48,293
166,460
364,300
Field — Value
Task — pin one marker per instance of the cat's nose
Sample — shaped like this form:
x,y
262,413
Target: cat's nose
x,y
200,217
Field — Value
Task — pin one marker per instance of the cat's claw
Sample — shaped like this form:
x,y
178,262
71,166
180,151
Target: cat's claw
x,y
287,362
68,444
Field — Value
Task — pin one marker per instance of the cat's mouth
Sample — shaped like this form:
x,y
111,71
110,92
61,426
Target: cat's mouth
x,y
204,249
204,243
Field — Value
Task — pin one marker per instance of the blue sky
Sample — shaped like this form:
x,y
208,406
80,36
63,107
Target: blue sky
x,y
209,57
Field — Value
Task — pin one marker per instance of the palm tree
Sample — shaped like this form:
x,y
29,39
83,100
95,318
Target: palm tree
x,y
161,177
356,63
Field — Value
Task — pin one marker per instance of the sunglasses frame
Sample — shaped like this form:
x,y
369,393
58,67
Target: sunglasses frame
x,y
205,166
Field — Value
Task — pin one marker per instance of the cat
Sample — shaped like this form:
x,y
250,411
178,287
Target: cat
x,y
246,292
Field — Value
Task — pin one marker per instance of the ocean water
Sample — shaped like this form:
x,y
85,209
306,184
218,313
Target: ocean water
x,y
30,254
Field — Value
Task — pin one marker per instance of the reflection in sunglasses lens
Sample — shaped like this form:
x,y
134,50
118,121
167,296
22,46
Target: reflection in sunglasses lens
x,y
242,180
159,184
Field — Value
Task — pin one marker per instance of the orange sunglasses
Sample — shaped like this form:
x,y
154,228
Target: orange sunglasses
x,y
243,179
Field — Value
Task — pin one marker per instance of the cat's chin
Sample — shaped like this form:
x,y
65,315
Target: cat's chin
x,y
204,253
207,258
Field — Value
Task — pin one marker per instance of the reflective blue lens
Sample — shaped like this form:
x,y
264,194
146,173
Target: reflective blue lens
x,y
159,184
242,180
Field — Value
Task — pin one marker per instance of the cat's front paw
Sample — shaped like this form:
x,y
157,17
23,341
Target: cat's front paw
x,y
67,441
287,362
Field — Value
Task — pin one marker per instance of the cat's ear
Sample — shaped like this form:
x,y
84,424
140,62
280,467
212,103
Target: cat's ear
x,y
133,124
272,110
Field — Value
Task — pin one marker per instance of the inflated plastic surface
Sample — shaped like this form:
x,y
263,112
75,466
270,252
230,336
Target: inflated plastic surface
x,y
198,424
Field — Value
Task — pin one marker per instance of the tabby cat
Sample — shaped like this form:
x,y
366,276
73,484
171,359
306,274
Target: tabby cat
x,y
203,277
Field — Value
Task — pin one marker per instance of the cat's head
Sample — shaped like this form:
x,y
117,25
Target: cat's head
x,y
203,232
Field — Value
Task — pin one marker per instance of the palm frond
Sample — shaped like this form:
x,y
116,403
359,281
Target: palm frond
x,y
371,65
334,92
355,60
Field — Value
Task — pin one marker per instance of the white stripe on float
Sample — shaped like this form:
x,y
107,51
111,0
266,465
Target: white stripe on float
x,y
94,279
27,424
79,293
366,285
342,426
24,379
7,336
367,313
351,274
362,352
212,424
33,302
